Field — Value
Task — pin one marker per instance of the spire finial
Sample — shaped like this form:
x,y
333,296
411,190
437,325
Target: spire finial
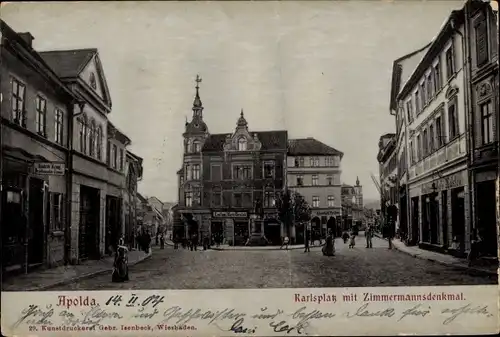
x,y
198,81
197,101
241,113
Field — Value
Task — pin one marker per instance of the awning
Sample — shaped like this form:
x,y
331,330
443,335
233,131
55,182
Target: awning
x,y
21,154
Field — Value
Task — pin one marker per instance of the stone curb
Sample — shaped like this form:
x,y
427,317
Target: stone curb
x,y
82,277
454,265
253,249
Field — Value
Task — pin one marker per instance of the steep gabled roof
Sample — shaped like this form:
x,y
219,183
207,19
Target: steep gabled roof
x,y
141,198
310,147
271,140
68,63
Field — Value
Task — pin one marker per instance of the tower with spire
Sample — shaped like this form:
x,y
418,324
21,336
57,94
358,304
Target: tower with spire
x,y
196,130
358,190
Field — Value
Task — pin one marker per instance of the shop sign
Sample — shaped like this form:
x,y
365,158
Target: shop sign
x,y
54,169
326,213
229,214
446,183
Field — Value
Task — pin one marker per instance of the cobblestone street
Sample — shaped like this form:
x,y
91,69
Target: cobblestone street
x,y
358,267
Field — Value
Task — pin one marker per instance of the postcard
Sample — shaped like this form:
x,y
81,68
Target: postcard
x,y
290,168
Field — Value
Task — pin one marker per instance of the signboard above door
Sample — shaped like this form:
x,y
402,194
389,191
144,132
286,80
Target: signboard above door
x,y
47,168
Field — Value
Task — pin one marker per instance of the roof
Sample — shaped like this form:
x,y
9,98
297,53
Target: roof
x,y
397,71
133,155
68,63
310,146
456,17
115,132
141,198
271,140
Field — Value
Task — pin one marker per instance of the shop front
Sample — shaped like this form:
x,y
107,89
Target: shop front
x,y
325,221
485,210
439,209
233,225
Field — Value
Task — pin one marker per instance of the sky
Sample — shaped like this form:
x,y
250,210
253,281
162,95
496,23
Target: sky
x,y
317,69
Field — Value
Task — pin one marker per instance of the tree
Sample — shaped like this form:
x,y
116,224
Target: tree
x,y
292,207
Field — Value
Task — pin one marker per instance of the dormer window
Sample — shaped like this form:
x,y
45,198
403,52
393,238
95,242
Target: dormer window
x,y
92,81
242,144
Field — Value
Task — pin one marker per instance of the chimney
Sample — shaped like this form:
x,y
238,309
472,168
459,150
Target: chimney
x,y
28,38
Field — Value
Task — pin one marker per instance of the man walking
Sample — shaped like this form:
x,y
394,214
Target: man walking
x,y
306,238
369,236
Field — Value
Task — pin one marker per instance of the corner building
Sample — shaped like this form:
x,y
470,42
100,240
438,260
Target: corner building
x,y
226,177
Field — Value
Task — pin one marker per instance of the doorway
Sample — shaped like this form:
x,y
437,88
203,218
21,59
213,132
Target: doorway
x,y
331,226
88,236
458,217
36,234
272,231
415,217
486,216
113,222
444,217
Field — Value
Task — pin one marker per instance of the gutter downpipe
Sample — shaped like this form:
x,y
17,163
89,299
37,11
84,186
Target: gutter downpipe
x,y
469,141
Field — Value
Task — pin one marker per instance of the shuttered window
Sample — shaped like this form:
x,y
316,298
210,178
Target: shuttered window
x,y
481,32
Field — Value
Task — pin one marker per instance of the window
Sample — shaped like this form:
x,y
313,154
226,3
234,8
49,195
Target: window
x,y
92,138
108,153
181,180
196,197
188,148
188,172
450,64
269,199
196,171
115,156
188,199
315,180
311,161
431,138
453,120
242,144
58,126
92,81
56,212
316,162
423,99
419,148
247,199
331,201
18,98
481,35
409,110
216,198
196,146
330,161
412,155
268,170
83,134
301,161
425,143
237,200
315,201
300,180
99,142
329,180
437,77
417,102
430,87
439,132
296,160
487,123
216,173
242,172
41,115
121,159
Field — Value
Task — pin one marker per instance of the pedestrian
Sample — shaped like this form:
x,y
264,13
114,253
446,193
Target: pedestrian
x,y
329,247
345,236
157,238
162,241
285,242
369,236
476,248
352,239
176,242
306,238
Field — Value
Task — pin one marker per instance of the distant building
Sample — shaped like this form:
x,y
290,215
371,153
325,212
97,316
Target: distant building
x,y
133,176
352,205
314,171
225,176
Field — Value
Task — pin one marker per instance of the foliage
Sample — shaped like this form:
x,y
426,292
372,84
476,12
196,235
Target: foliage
x,y
292,207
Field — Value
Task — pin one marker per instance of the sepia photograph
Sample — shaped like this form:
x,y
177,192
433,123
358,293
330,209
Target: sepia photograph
x,y
249,145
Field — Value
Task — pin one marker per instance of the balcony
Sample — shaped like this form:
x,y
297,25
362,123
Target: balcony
x,y
451,151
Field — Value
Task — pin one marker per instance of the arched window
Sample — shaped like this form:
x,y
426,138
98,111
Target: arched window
x,y
83,134
99,142
189,146
196,146
242,144
92,138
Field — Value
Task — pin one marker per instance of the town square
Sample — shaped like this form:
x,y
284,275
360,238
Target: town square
x,y
136,159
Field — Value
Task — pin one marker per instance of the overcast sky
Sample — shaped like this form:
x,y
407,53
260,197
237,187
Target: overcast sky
x,y
316,69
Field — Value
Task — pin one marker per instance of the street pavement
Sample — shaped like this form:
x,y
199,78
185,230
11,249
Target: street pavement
x,y
358,267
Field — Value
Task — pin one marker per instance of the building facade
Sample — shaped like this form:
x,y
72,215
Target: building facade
x,y
226,177
482,51
35,111
352,205
314,171
433,103
133,174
